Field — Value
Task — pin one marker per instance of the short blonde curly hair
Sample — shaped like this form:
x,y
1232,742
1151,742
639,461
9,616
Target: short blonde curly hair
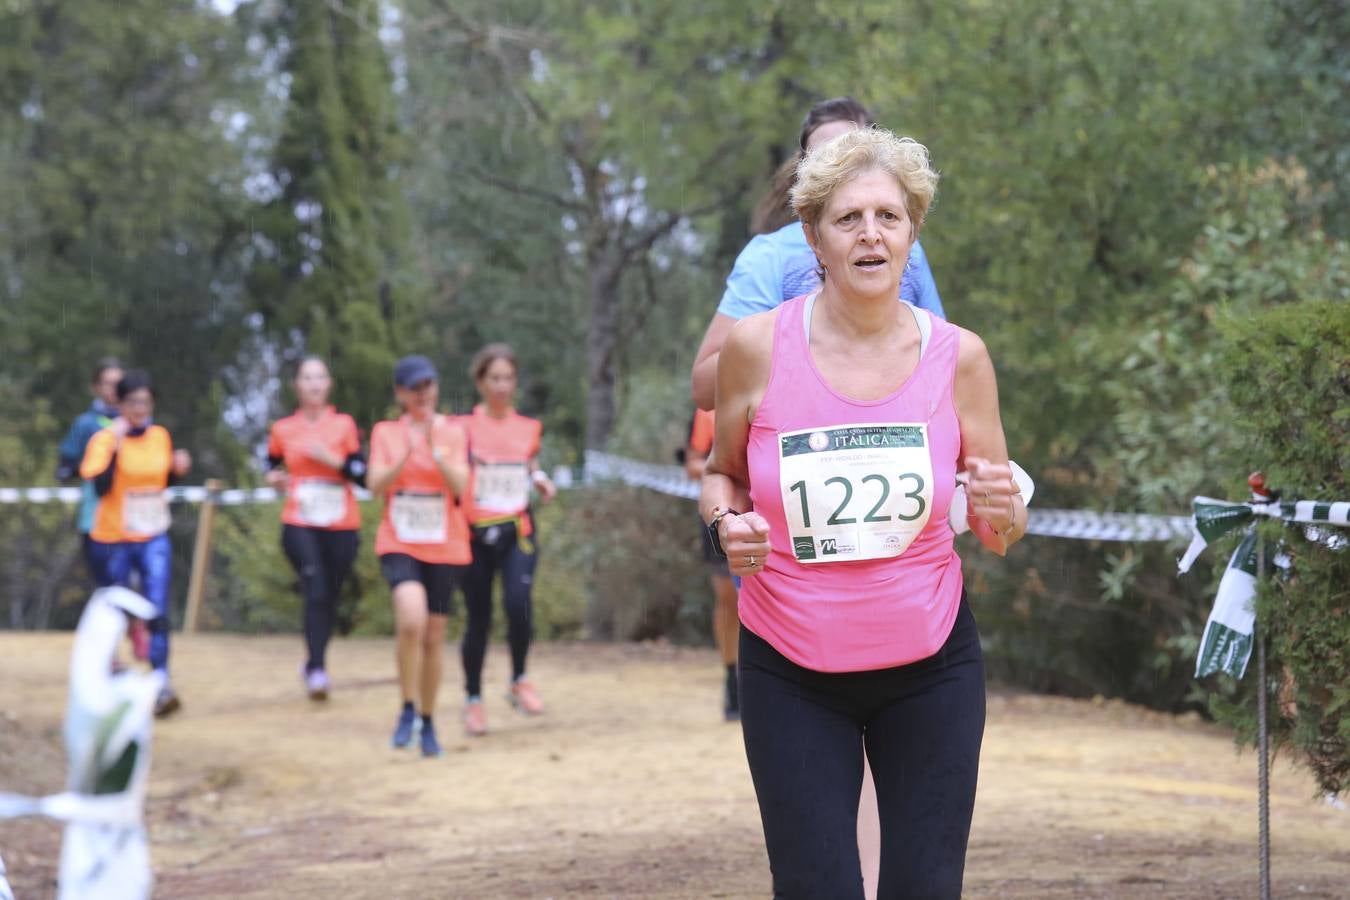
x,y
832,164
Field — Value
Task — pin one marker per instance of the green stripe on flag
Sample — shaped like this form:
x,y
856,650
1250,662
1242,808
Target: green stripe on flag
x,y
1214,520
1245,557
1225,650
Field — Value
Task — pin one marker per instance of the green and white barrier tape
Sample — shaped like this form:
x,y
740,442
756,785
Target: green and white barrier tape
x,y
1227,642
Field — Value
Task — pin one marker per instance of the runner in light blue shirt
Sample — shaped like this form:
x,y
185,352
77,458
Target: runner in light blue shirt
x,y
773,268
778,264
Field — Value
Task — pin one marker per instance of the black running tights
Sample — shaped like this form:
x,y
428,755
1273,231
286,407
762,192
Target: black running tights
x,y
499,550
921,726
322,560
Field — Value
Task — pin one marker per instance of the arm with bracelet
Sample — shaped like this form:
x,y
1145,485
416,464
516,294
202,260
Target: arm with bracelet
x,y
996,509
737,532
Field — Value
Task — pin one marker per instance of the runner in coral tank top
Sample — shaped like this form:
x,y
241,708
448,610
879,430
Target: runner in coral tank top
x,y
418,464
843,420
504,458
314,457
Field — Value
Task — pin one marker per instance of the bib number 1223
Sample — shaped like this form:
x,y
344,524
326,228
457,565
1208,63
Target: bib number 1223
x,y
881,489
855,492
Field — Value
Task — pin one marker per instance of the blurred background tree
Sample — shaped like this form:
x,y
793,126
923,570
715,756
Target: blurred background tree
x,y
212,189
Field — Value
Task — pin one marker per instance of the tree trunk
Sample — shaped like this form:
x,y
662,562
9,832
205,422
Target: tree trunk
x,y
601,346
57,571
19,554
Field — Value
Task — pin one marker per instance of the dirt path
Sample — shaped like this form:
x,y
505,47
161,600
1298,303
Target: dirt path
x,y
631,786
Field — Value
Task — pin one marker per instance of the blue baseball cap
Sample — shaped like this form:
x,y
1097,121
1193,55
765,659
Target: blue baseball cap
x,y
411,370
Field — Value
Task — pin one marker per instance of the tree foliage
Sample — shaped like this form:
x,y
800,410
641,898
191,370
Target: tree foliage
x,y
331,238
210,195
122,196
1289,372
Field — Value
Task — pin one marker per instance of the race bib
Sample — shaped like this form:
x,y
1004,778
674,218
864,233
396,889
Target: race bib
x,y
501,487
855,492
145,513
319,502
418,518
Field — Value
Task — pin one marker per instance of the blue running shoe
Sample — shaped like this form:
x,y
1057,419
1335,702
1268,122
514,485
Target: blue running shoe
x,y
407,724
430,746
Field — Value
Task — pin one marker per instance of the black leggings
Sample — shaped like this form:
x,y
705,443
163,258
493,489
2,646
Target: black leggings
x,y
921,725
498,548
322,560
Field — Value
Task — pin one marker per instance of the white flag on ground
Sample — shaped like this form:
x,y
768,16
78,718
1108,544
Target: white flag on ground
x,y
105,854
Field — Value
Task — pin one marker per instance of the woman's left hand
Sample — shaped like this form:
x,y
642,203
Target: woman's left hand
x,y
990,490
182,461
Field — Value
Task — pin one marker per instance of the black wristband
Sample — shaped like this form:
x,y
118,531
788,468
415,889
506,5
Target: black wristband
x,y
714,536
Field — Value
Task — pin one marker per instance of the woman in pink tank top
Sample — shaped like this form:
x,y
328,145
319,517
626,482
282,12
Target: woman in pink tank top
x,y
843,420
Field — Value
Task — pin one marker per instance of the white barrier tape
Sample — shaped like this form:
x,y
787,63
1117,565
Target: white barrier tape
x,y
672,481
182,494
1064,523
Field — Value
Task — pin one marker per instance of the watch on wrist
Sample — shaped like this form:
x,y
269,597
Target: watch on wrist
x,y
714,536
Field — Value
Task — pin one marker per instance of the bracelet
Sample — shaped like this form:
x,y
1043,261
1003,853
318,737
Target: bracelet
x,y
714,535
538,476
1012,525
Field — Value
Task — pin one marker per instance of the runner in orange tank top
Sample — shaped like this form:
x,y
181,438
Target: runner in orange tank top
x,y
418,464
315,456
504,455
131,462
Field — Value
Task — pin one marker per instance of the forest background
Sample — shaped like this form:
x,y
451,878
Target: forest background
x,y
1143,210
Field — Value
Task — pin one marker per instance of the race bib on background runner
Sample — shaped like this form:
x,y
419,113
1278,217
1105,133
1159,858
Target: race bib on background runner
x,y
855,492
145,513
320,502
418,517
501,487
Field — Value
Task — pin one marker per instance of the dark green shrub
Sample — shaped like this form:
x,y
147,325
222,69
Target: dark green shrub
x,y
1288,374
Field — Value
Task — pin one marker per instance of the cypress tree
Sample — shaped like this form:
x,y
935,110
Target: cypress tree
x,y
337,223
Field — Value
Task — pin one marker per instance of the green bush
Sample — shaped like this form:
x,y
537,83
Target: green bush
x,y
1288,374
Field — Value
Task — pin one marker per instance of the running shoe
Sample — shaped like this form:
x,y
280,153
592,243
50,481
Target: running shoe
x,y
317,684
166,703
731,700
524,697
430,746
475,717
407,724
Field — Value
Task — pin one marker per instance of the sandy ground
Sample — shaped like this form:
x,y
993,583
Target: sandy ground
x,y
630,786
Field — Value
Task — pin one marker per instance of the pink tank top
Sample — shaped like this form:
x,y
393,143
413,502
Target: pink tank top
x,y
863,574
